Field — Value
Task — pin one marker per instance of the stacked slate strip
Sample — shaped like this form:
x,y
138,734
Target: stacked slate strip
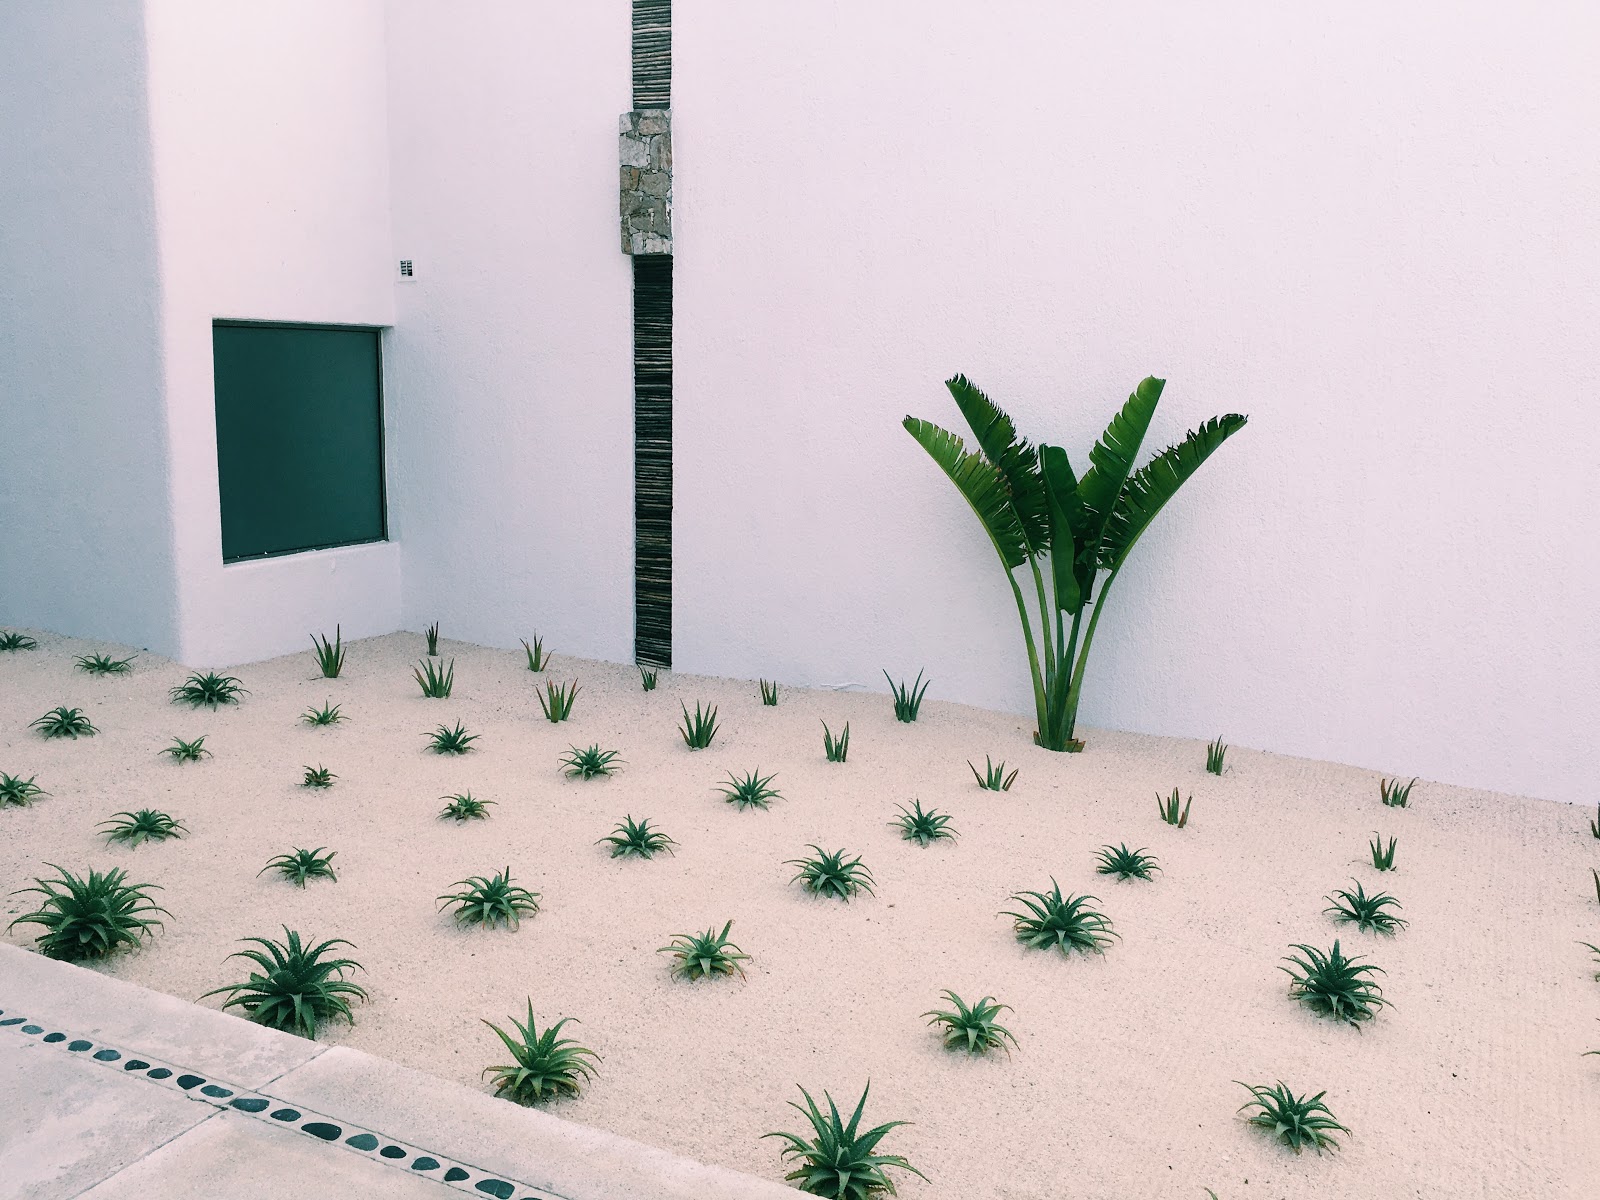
x,y
652,458
652,53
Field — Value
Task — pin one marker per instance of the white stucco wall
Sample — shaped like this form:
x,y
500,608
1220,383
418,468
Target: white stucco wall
x,y
269,127
509,372
1370,227
85,543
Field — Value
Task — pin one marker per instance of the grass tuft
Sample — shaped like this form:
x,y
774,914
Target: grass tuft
x,y
444,740
89,916
921,827
184,752
208,688
1394,794
557,700
1168,809
994,777
490,900
699,729
836,1160
907,700
328,714
1595,950
318,777
464,806
1125,863
432,634
1296,1121
648,676
64,722
300,865
296,988
972,1028
1215,753
544,1065
702,955
104,664
1366,912
832,874
538,660
330,655
1066,922
435,683
1332,985
12,641
836,748
769,693
1594,825
636,839
1382,856
589,762
16,792
146,825
751,791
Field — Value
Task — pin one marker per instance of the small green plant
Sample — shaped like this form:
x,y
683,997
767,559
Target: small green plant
x,y
1125,863
921,827
464,806
318,777
1596,875
490,900
1168,809
972,1028
907,700
1366,912
1296,1121
544,1065
209,689
836,748
769,693
63,722
330,655
146,825
444,740
831,874
300,865
89,916
557,700
11,641
296,988
328,714
1215,753
648,677
993,777
1594,825
1332,985
589,762
17,792
702,955
749,791
432,634
699,729
1595,950
1382,856
1394,794
636,839
1066,922
538,660
837,1161
184,752
104,664
435,684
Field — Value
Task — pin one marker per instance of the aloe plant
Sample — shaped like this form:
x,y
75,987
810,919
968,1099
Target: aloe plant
x,y
1066,530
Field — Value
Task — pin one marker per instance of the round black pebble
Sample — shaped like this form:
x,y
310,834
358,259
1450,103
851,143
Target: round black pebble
x,y
498,1188
322,1130
392,1152
286,1114
362,1141
160,1073
215,1092
188,1081
455,1175
55,1037
13,1021
250,1104
135,1064
79,1045
33,1029
425,1164
107,1055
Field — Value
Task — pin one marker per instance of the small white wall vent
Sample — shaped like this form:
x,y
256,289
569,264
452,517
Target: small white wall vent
x,y
406,271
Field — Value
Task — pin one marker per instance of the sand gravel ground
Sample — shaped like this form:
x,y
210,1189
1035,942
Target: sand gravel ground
x,y
1472,1085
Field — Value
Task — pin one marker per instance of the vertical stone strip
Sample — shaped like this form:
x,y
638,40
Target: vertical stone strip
x,y
645,147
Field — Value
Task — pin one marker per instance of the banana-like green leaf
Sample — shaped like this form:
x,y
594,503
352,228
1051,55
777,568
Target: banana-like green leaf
x,y
1018,463
1111,459
1067,522
1150,487
979,481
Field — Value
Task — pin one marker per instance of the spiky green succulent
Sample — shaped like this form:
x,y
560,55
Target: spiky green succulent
x,y
328,714
1364,911
923,826
557,700
700,727
1395,794
701,955
1382,856
435,682
11,641
464,806
830,873
146,825
18,792
64,722
836,749
907,697
1066,922
489,900
751,790
543,1065
1125,863
330,655
637,839
445,740
184,752
318,777
1331,985
538,660
588,762
104,664
208,688
973,1027
993,777
838,1160
91,915
1296,1121
1168,808
296,988
298,866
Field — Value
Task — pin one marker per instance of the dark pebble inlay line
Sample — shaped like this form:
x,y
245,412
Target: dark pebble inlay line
x,y
188,1081
425,1164
251,1104
33,1029
322,1129
286,1114
392,1152
107,1055
135,1064
160,1073
13,1021
55,1037
215,1092
498,1188
456,1175
79,1045
362,1141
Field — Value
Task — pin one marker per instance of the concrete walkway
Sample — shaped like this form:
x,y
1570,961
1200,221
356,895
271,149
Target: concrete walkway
x,y
111,1091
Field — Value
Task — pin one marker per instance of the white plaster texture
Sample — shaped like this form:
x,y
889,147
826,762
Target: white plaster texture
x,y
1371,228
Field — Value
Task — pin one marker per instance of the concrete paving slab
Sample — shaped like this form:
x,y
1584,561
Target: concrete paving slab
x,y
234,1156
551,1154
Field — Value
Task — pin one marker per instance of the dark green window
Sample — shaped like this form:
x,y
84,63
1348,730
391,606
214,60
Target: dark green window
x,y
299,437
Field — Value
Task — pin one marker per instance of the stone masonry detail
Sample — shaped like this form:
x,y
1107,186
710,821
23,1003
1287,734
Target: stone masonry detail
x,y
645,141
